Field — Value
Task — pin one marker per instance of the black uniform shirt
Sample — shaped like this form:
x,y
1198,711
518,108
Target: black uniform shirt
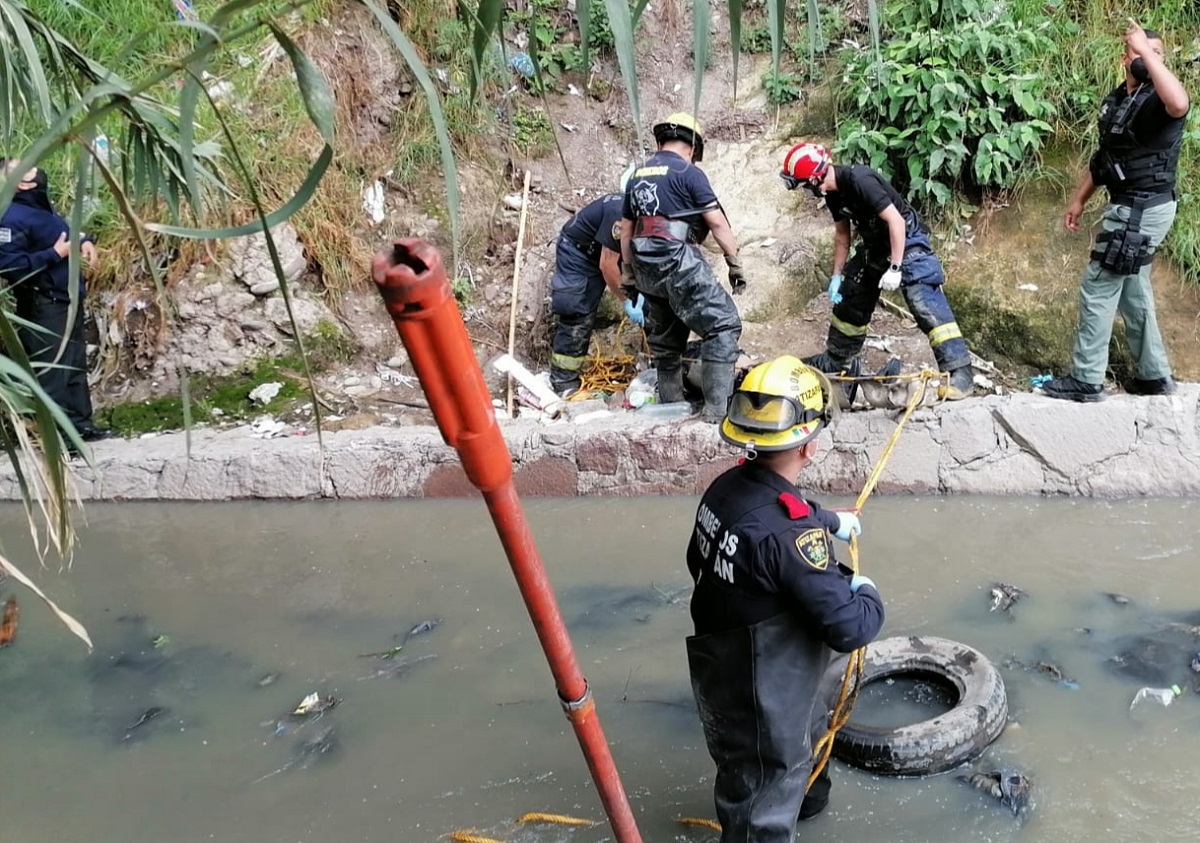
x,y
597,223
861,195
759,550
668,186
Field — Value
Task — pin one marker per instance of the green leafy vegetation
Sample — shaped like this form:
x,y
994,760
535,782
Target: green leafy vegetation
x,y
213,399
531,131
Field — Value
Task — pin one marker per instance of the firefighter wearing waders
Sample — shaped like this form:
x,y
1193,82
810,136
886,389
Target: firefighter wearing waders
x,y
771,604
894,252
587,259
1141,133
669,209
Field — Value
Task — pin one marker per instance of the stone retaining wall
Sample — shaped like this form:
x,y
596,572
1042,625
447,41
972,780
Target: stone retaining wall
x,y
1019,444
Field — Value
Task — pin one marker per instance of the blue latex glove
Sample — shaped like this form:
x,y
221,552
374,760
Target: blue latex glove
x,y
835,286
858,581
848,525
634,310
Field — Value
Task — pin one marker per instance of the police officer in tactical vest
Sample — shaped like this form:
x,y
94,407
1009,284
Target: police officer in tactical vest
x,y
587,259
669,209
1141,132
770,605
894,252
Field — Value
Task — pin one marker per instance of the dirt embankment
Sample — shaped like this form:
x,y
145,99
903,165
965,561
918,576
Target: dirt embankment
x,y
992,260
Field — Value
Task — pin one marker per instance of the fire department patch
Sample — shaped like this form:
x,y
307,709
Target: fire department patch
x,y
5,235
813,548
616,231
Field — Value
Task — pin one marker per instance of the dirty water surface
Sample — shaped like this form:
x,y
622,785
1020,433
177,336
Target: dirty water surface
x,y
398,629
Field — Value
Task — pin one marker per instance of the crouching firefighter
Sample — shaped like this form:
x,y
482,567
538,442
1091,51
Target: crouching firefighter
x,y
770,604
894,252
669,209
587,259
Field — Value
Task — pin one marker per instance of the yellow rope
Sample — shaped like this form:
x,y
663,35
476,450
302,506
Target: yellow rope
x,y
852,679
464,836
560,819
609,372
713,824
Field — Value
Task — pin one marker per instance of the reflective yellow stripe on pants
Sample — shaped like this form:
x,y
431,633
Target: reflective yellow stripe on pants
x,y
567,364
944,333
847,329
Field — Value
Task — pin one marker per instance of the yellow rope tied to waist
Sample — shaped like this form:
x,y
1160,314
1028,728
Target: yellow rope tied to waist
x,y
852,679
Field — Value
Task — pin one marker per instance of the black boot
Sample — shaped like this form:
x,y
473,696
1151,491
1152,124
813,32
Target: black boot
x,y
670,384
816,799
830,365
1073,389
1151,386
717,382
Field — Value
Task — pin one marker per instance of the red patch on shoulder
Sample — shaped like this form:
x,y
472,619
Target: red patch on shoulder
x,y
796,508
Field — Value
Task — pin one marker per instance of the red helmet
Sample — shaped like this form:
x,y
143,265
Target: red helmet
x,y
804,161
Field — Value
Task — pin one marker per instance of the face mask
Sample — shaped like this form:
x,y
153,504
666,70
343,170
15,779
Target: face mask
x,y
814,189
1137,69
39,195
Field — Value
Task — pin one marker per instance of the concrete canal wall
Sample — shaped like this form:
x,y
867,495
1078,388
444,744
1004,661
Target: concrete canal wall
x,y
1019,444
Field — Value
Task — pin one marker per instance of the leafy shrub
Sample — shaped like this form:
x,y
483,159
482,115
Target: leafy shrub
x,y
953,102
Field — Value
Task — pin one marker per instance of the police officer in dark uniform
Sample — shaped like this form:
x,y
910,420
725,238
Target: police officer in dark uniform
x,y
770,605
1141,133
670,208
587,258
894,252
34,251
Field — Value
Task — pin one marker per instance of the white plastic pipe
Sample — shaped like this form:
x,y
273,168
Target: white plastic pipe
x,y
552,405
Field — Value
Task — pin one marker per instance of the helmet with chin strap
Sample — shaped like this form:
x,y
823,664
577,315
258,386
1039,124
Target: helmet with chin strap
x,y
803,162
683,127
780,405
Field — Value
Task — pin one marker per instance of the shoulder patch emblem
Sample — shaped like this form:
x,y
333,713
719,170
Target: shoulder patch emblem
x,y
616,231
5,235
813,548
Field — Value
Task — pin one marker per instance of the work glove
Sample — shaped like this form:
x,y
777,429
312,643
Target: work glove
x,y
848,525
835,289
890,280
737,278
633,309
858,581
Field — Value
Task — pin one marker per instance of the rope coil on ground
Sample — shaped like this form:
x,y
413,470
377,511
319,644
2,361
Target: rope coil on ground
x,y
609,372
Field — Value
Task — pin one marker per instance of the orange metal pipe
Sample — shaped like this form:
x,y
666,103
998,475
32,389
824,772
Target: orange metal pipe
x,y
418,297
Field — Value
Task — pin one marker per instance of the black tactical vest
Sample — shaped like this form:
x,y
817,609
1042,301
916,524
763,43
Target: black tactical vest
x,y
1126,162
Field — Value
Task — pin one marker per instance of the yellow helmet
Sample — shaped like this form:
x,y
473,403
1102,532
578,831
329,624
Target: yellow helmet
x,y
780,405
681,126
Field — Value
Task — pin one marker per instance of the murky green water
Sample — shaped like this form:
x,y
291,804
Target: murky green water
x,y
474,737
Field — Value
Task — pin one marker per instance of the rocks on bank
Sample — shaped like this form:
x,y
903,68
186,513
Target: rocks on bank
x,y
1020,444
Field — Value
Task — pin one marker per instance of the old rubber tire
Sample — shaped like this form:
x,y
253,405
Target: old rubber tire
x,y
931,746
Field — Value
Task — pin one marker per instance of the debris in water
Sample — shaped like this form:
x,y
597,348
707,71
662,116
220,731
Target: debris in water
x,y
421,628
314,703
145,717
1195,665
1005,597
1119,599
8,627
160,641
1009,786
397,668
389,653
307,751
268,679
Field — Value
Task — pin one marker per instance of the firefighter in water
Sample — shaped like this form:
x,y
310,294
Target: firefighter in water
x,y
669,209
587,259
771,604
894,252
